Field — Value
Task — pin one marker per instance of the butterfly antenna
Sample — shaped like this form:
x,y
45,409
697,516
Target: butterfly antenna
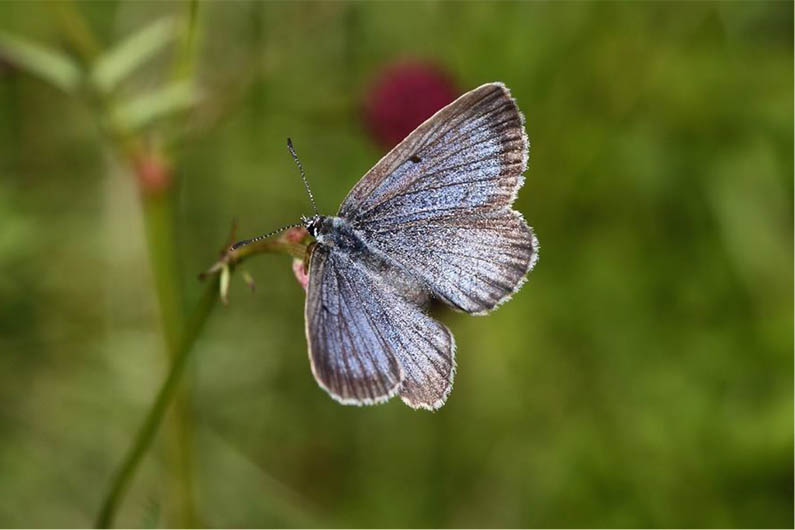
x,y
282,229
303,175
264,236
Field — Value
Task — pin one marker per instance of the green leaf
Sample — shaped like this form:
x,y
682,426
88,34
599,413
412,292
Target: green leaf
x,y
48,64
121,60
177,96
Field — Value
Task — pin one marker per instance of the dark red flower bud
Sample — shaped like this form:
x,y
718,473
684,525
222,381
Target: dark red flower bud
x,y
402,97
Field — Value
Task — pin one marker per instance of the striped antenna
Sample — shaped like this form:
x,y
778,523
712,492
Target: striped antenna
x,y
282,229
303,176
265,236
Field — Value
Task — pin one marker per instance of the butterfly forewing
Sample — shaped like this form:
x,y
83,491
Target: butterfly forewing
x,y
439,203
480,134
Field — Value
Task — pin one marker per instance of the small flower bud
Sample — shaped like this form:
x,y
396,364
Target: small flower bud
x,y
300,272
403,96
224,284
153,172
295,234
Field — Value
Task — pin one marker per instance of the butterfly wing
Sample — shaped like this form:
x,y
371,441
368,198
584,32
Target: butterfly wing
x,y
367,342
439,203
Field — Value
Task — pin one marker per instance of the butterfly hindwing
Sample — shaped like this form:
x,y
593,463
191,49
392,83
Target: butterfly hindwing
x,y
472,262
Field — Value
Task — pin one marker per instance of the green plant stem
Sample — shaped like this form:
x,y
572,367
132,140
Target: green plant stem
x,y
186,55
77,30
179,330
163,252
159,217
163,255
153,419
157,213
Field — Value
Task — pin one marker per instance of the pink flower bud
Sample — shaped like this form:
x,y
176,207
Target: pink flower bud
x,y
153,172
300,272
295,234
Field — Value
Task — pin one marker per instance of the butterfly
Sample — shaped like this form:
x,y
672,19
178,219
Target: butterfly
x,y
432,220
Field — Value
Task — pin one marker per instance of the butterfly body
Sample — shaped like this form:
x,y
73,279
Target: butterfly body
x,y
431,220
336,234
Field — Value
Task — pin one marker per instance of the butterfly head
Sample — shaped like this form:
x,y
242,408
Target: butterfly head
x,y
312,224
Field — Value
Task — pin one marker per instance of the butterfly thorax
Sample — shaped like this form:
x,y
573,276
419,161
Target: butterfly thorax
x,y
336,233
341,238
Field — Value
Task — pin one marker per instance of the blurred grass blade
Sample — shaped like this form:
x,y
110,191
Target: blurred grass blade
x,y
121,60
50,65
141,111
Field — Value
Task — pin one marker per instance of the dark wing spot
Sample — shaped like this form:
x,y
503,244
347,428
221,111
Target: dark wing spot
x,y
415,158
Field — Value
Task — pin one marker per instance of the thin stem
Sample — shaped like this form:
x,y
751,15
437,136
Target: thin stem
x,y
186,56
163,254
184,343
77,30
179,329
153,419
157,204
164,258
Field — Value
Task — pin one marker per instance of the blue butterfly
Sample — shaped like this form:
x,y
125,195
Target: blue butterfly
x,y
431,220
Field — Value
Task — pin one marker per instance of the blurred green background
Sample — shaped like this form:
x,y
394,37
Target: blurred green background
x,y
642,377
